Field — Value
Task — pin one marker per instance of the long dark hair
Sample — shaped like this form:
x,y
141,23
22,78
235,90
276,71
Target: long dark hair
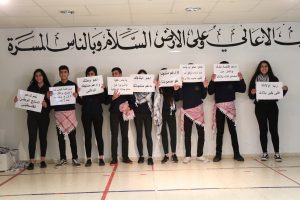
x,y
45,78
257,71
167,92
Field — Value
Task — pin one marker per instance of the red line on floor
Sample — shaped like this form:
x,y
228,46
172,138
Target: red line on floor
x,y
14,176
278,172
106,190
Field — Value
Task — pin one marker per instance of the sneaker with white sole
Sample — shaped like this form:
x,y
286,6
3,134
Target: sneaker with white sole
x,y
61,162
277,157
264,157
201,158
187,160
75,162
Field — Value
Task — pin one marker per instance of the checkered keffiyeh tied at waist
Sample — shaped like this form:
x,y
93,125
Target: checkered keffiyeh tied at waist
x,y
66,121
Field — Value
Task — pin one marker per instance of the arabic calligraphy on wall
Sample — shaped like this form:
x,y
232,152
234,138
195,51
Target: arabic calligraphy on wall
x,y
97,40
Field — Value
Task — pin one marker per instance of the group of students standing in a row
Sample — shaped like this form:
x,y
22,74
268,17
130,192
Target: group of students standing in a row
x,y
158,107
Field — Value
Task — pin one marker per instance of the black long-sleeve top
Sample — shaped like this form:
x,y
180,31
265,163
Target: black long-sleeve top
x,y
115,104
253,96
168,91
41,90
191,94
92,104
225,91
69,106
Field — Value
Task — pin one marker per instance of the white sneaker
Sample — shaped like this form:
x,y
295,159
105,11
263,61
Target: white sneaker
x,y
201,158
187,160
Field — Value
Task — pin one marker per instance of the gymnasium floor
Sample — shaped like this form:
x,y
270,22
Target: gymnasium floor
x,y
226,180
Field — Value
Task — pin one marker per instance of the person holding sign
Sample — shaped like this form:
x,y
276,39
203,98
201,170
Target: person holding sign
x,y
120,108
38,122
191,95
266,111
143,116
163,114
92,114
224,108
65,118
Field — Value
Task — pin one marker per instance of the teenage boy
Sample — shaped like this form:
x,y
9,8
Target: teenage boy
x,y
66,122
116,119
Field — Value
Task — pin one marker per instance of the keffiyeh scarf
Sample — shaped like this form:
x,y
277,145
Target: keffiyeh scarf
x,y
143,97
66,121
228,108
128,113
195,114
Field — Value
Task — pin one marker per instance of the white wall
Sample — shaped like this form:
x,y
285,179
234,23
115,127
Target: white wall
x,y
16,72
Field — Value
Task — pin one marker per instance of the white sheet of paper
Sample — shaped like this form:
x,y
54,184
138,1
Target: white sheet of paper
x,y
169,78
192,73
90,85
29,100
226,72
124,85
62,95
143,82
269,90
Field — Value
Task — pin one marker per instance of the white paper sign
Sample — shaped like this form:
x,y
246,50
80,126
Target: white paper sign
x,y
226,72
29,101
143,82
192,73
269,90
90,85
169,78
62,95
123,85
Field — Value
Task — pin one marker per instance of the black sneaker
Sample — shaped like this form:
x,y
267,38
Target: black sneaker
x,y
150,161
239,158
88,163
264,157
217,158
113,162
43,164
61,162
141,160
165,159
75,162
277,157
30,166
127,160
174,158
101,162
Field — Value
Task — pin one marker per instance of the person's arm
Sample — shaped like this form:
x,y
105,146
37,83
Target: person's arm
x,y
252,90
131,101
211,87
203,90
47,100
105,97
78,98
284,88
240,86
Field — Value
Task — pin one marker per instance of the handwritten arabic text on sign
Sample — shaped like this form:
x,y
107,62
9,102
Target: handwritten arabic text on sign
x,y
192,73
226,72
121,84
29,101
269,90
90,85
143,82
169,78
62,95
